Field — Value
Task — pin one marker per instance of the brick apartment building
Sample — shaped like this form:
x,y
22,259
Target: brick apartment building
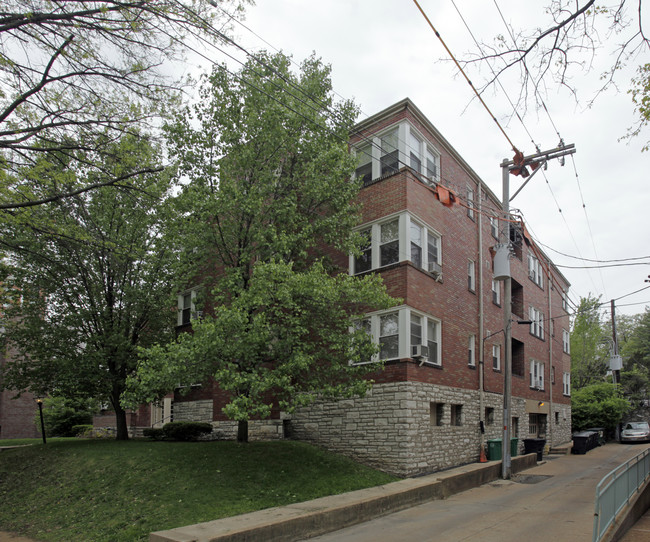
x,y
432,226
434,250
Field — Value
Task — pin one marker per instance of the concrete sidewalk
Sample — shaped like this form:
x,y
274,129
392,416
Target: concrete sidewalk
x,y
312,518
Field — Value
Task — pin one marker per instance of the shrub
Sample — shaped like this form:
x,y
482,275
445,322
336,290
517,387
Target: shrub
x,y
154,433
83,430
61,414
186,430
597,405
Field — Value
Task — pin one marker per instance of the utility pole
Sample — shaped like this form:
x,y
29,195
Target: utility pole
x,y
518,166
615,362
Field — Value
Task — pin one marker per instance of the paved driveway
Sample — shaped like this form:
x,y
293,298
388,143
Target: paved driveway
x,y
553,502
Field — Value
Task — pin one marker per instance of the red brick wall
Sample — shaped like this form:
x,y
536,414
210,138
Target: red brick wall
x,y
450,300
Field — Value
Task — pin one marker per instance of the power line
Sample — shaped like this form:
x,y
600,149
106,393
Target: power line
x,y
595,261
478,95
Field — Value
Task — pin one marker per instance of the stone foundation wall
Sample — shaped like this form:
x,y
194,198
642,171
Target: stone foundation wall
x,y
201,411
396,427
193,411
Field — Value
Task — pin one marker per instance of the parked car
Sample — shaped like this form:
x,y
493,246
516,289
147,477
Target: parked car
x,y
635,432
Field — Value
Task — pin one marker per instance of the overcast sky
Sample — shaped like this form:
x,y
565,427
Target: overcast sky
x,y
382,51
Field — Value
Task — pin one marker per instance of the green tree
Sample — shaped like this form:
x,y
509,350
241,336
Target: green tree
x,y
636,349
597,405
66,66
589,353
61,414
269,197
88,281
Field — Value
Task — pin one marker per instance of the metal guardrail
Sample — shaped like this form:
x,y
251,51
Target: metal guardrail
x,y
615,489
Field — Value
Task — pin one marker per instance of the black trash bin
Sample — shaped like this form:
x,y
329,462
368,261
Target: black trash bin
x,y
535,446
584,441
601,434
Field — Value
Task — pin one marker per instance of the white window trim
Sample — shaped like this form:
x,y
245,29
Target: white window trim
x,y
471,275
404,132
496,292
404,332
194,314
565,300
566,342
535,271
537,322
496,354
536,375
566,384
404,240
470,201
471,349
494,227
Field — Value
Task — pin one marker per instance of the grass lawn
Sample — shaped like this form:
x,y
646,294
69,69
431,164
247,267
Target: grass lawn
x,y
103,490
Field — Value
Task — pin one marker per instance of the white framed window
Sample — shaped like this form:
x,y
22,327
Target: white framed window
x,y
432,163
389,157
398,238
433,248
494,227
364,163
433,341
471,351
566,383
389,336
416,329
400,145
398,331
363,262
415,149
470,202
565,300
536,375
389,243
187,307
496,357
535,272
566,341
471,275
537,322
416,244
496,292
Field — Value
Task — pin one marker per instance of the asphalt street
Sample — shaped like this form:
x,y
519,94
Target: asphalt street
x,y
551,502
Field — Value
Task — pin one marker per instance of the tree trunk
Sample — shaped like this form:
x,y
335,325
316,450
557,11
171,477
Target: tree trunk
x,y
242,431
120,422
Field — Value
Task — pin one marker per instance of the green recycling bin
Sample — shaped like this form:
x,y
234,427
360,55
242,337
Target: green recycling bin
x,y
494,449
514,447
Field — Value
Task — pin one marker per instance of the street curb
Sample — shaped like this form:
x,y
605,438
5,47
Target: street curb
x,y
326,514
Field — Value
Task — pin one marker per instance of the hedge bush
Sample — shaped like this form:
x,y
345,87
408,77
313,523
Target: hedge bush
x,y
83,430
155,433
186,430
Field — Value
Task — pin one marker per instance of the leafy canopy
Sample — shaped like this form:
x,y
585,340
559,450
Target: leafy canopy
x,y
268,199
88,281
597,405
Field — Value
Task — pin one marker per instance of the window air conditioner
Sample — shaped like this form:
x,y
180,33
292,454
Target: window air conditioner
x,y
419,351
436,270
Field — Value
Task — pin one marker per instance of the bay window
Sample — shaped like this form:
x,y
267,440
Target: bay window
x,y
396,239
396,332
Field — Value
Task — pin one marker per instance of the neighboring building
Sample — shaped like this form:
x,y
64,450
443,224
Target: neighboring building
x,y
18,413
432,226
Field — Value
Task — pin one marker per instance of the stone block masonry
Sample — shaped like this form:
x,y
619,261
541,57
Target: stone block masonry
x,y
408,428
201,411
